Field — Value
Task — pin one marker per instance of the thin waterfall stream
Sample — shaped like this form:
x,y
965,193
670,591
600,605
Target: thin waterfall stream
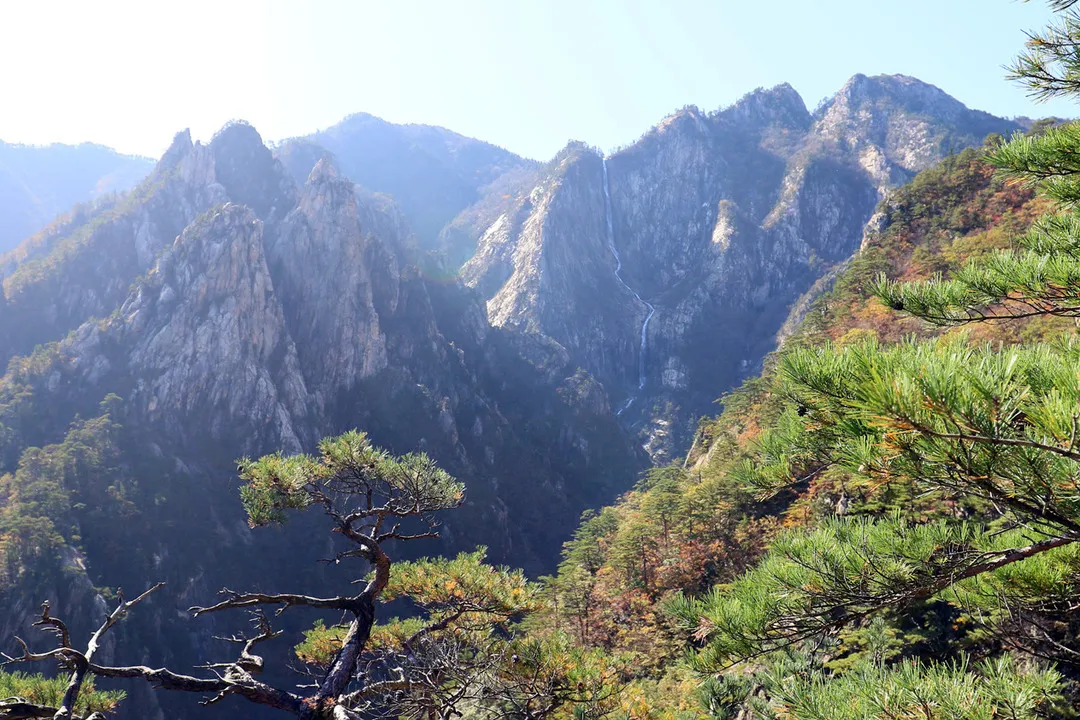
x,y
618,276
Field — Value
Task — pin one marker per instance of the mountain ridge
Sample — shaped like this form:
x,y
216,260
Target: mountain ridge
x,y
721,221
693,527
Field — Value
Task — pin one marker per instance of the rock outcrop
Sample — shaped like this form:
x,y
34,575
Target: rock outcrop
x,y
331,268
242,303
234,313
200,345
275,315
84,268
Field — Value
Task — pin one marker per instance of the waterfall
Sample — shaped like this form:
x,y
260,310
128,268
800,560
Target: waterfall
x,y
618,276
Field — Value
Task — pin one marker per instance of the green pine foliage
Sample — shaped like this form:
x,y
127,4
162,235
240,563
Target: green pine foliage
x,y
960,690
48,692
463,626
885,524
347,463
815,582
685,530
65,494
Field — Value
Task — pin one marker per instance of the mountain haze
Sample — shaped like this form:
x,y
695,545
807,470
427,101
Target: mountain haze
x,y
434,174
220,309
39,183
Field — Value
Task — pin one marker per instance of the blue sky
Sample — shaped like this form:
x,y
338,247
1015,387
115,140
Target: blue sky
x,y
526,75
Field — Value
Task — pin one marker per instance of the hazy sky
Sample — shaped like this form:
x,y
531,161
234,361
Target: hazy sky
x,y
525,75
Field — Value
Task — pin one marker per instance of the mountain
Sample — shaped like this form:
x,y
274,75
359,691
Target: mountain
x,y
228,306
433,174
667,268
220,310
39,183
242,300
694,526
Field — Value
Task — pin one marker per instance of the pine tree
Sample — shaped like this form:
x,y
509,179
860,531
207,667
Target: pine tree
x,y
456,651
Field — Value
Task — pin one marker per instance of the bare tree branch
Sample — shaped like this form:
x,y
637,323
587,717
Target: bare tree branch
x,y
57,625
82,661
246,600
14,708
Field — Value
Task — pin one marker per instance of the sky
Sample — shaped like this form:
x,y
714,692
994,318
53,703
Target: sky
x,y
527,75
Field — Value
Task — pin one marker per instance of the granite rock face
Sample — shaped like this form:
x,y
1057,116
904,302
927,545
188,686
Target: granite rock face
x,y
84,268
201,345
241,303
331,267
718,223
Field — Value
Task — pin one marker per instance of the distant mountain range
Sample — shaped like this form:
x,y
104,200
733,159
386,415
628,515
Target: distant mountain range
x,y
445,183
39,183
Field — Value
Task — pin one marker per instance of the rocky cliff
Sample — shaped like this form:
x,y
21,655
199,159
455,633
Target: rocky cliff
x,y
667,268
83,267
275,314
241,302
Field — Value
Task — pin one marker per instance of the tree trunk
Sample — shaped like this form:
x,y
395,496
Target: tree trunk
x,y
323,704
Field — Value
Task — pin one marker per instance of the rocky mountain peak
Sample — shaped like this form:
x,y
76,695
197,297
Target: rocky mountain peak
x,y
212,252
299,157
86,268
249,171
902,91
326,185
780,105
688,118
325,171
206,347
571,152
895,125
335,264
180,147
668,267
235,313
